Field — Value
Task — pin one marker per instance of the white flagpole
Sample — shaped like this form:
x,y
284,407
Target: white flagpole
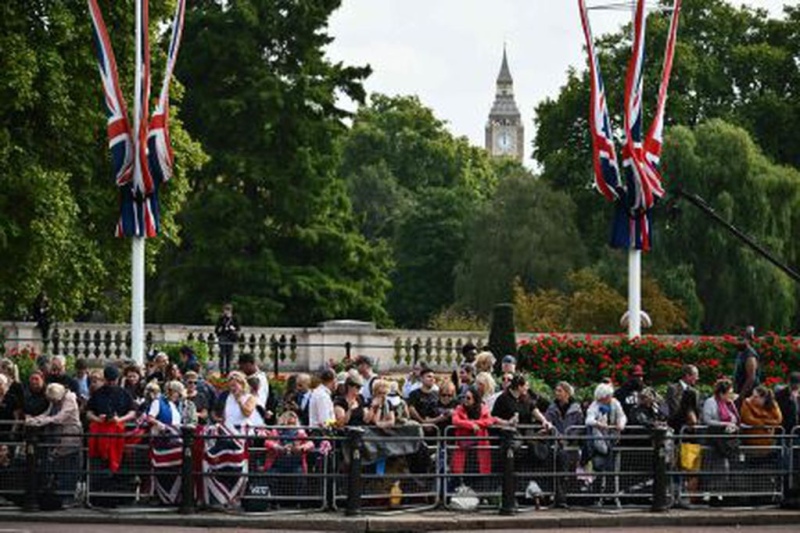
x,y
634,293
634,265
137,248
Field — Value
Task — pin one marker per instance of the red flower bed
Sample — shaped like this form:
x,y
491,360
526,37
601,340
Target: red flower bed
x,y
583,361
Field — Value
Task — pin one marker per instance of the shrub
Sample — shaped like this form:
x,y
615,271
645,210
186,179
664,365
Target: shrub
x,y
583,361
502,335
25,359
173,351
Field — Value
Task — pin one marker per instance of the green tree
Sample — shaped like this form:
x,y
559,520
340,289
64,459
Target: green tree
x,y
526,231
429,242
414,187
732,63
396,150
722,164
270,226
59,204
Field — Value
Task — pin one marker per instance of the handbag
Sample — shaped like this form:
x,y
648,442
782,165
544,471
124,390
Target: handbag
x,y
691,453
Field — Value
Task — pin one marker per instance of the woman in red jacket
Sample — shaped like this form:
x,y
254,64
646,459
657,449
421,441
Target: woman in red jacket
x,y
472,419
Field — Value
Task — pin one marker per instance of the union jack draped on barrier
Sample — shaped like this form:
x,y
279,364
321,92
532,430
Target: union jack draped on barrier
x,y
636,195
225,465
166,457
148,149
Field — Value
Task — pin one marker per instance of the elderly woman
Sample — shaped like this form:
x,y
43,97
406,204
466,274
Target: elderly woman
x,y
167,409
605,420
62,430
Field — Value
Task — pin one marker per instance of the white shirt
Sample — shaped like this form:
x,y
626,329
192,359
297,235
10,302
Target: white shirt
x,y
263,388
235,417
155,408
366,388
320,407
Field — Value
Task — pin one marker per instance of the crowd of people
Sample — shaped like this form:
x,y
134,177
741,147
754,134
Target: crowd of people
x,y
478,399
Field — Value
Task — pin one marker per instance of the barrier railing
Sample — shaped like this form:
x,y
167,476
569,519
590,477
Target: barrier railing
x,y
748,465
290,469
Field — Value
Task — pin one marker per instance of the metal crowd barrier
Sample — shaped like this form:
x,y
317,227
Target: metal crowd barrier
x,y
793,451
620,471
280,469
13,464
469,482
735,468
397,468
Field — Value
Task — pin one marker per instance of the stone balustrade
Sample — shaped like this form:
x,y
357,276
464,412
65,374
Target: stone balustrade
x,y
294,349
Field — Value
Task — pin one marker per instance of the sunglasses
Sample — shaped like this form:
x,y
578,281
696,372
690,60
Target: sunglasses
x,y
191,382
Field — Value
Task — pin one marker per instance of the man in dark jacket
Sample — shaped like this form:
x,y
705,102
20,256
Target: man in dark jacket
x,y
628,394
227,331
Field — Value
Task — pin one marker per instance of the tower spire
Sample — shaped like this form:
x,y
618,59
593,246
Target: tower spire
x,y
505,72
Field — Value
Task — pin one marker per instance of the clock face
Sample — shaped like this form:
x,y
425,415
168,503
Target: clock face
x,y
504,141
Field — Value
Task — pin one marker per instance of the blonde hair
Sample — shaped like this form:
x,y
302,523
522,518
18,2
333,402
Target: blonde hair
x,y
152,388
55,392
240,377
486,379
4,382
484,361
285,416
381,385
175,386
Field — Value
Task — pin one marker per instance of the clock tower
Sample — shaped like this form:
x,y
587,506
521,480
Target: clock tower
x,y
504,131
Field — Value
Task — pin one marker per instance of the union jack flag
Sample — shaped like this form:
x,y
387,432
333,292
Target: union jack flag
x,y
159,148
225,464
120,140
636,195
604,155
144,161
166,458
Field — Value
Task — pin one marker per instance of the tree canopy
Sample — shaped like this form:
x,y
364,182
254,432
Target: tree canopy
x,y
269,226
734,64
59,203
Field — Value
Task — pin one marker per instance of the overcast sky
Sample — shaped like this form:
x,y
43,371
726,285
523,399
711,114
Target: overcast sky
x,y
448,52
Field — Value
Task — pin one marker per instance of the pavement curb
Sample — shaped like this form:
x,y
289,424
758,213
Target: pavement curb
x,y
425,521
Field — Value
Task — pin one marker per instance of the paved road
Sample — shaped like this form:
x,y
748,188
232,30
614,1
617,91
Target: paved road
x,y
731,529
22,527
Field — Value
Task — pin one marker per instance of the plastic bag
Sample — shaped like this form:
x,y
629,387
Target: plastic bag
x,y
691,454
465,499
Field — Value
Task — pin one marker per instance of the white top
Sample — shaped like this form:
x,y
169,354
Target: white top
x,y
490,400
234,416
155,408
263,388
615,418
320,407
366,388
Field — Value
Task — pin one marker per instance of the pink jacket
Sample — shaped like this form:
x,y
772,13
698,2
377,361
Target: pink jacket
x,y
465,428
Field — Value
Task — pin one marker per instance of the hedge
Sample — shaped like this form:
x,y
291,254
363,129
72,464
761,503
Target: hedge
x,y
583,361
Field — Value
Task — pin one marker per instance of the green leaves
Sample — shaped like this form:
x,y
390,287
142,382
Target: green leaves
x,y
269,225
